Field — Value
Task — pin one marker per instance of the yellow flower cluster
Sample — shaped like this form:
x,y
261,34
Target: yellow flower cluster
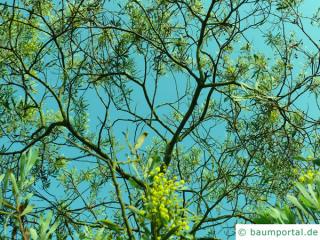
x,y
307,176
161,203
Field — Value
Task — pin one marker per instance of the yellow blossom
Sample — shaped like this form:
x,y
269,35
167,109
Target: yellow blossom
x,y
302,179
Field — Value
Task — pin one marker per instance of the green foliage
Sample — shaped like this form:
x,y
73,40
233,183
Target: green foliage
x,y
213,114
302,208
285,4
18,208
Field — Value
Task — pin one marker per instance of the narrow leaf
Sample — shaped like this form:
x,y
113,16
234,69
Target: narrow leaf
x,y
33,233
27,210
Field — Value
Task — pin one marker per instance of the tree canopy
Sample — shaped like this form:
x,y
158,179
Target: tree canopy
x,y
159,119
